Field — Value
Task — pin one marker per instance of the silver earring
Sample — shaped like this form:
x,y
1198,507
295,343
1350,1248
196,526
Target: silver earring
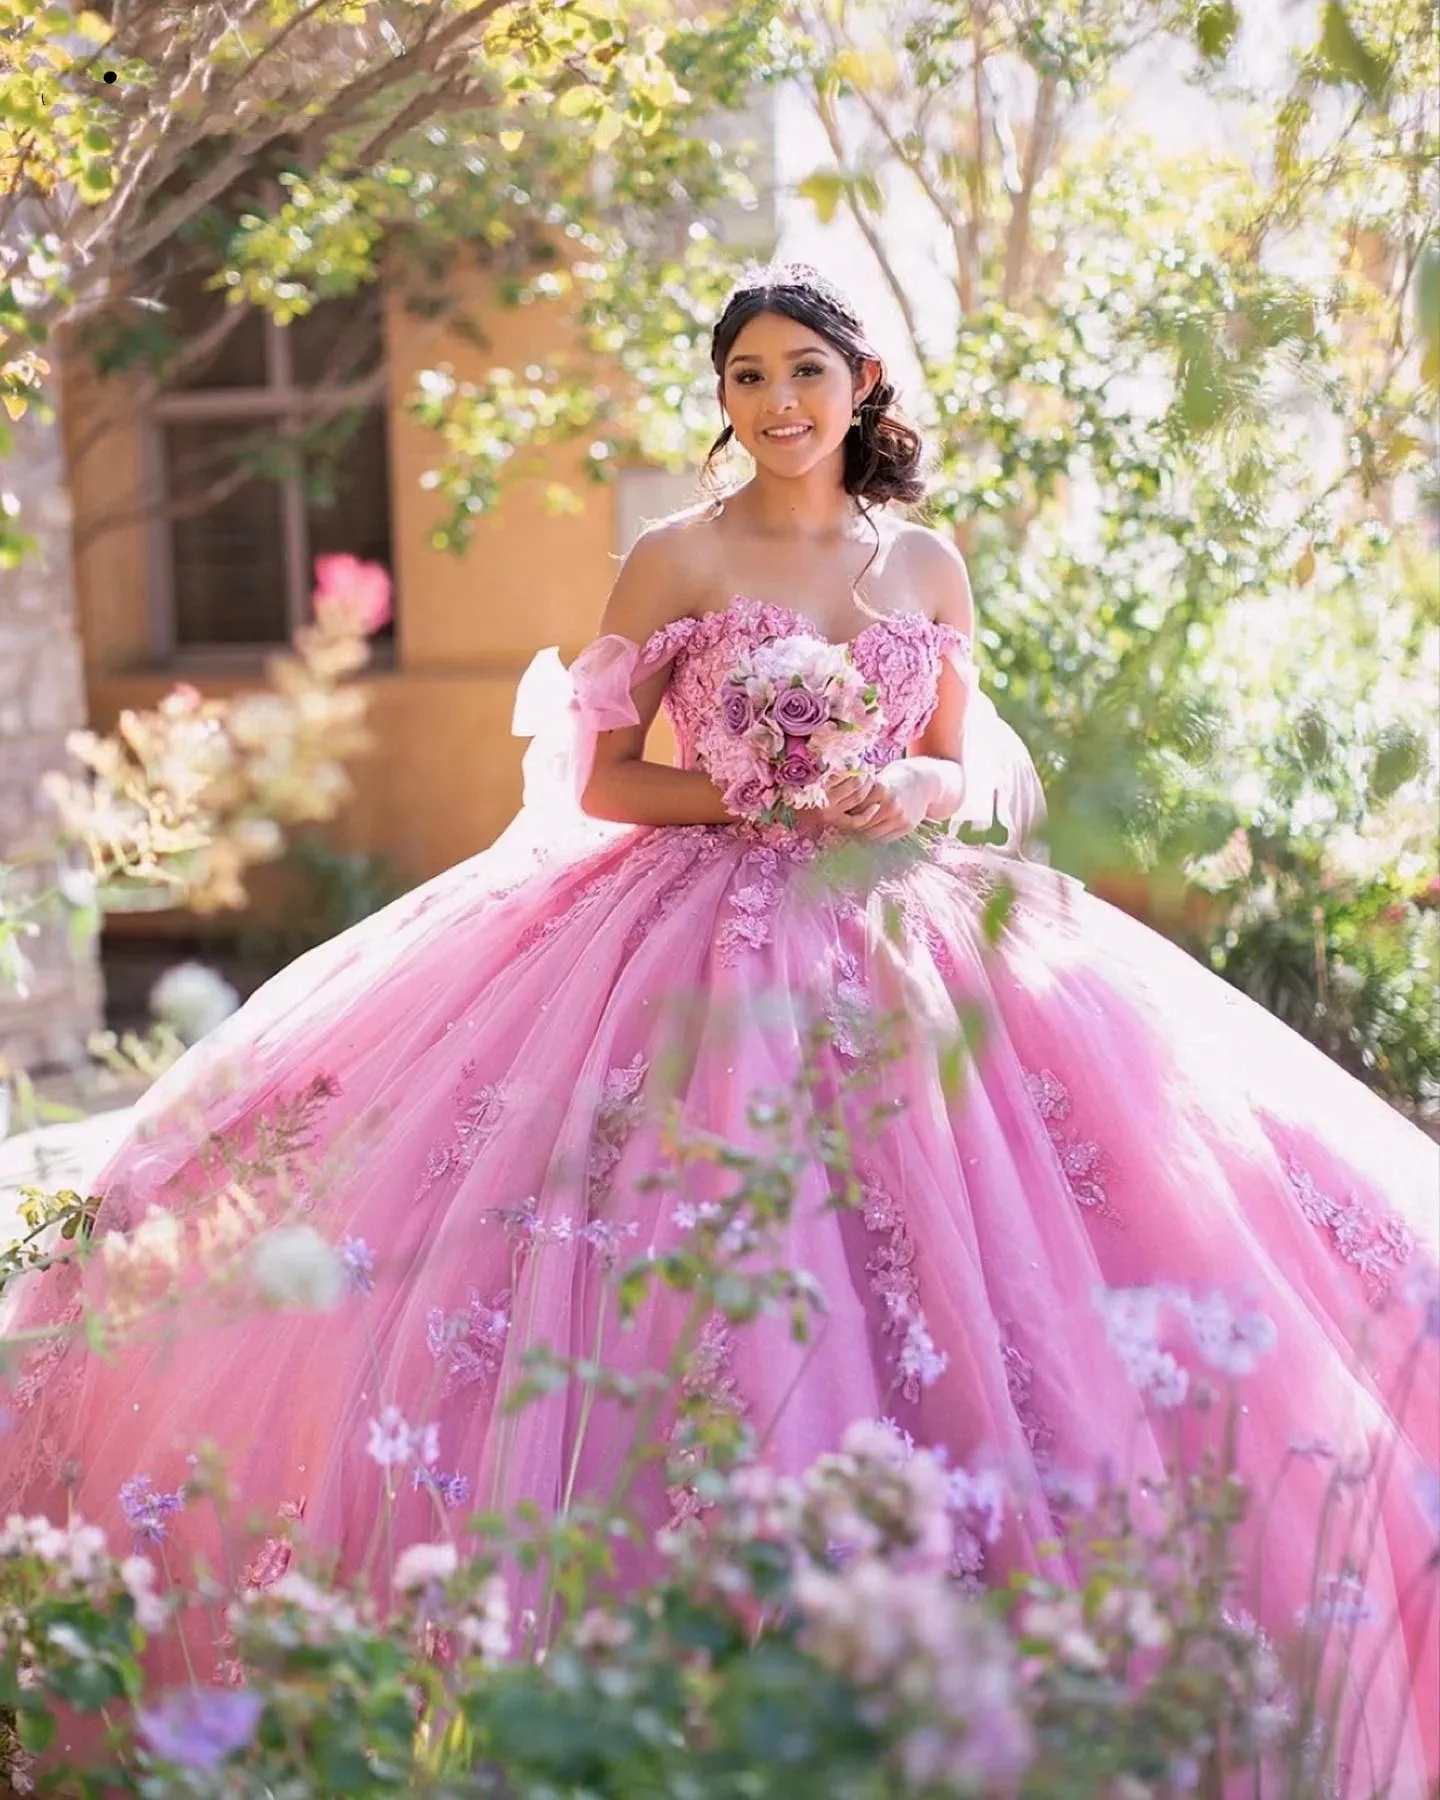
x,y
855,421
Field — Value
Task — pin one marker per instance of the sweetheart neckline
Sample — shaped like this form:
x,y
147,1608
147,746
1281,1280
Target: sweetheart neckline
x,y
740,600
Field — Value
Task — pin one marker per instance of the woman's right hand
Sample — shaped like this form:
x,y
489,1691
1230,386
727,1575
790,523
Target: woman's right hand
x,y
848,806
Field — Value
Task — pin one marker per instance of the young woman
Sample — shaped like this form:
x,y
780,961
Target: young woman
x,y
469,1077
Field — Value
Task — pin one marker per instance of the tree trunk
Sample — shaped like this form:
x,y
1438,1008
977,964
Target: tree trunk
x,y
42,699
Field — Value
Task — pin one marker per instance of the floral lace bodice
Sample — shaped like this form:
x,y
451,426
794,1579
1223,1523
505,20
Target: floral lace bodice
x,y
900,654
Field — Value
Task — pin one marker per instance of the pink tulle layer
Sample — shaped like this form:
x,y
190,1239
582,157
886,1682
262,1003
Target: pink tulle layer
x,y
473,1073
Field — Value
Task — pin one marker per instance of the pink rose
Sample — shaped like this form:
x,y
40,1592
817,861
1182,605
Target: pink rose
x,y
736,711
798,768
798,711
351,595
850,705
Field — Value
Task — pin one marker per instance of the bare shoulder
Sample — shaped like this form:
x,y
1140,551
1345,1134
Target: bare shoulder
x,y
656,583
935,567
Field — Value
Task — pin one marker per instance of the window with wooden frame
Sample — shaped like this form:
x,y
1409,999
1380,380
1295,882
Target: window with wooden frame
x,y
265,453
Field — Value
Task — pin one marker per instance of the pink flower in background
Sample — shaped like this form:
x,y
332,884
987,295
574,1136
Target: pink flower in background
x,y
351,595
183,698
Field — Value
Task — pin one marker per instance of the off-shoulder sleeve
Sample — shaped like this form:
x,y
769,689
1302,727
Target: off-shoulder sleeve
x,y
563,711
954,644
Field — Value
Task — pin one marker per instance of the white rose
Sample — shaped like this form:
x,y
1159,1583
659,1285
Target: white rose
x,y
294,1266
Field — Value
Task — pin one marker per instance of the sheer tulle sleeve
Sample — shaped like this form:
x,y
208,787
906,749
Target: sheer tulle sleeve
x,y
1001,780
563,711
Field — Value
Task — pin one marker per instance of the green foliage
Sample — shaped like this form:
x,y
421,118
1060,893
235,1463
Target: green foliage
x,y
326,892
379,137
1181,395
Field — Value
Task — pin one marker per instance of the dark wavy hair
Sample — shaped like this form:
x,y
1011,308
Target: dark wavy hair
x,y
882,452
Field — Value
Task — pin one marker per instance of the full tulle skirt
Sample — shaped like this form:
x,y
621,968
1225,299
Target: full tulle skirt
x,y
477,1094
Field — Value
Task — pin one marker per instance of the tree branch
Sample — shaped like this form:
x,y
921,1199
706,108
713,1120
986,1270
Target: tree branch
x,y
867,226
916,167
975,230
1037,153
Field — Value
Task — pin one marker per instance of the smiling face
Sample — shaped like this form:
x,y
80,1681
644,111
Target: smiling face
x,y
789,393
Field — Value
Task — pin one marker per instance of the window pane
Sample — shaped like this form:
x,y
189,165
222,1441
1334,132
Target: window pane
x,y
338,342
356,521
229,561
239,361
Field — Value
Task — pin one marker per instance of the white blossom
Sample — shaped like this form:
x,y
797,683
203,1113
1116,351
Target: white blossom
x,y
294,1266
485,1631
1228,1339
138,1574
1132,1324
393,1442
192,999
420,1564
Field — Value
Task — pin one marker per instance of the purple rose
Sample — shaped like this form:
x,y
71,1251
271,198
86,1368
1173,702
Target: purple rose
x,y
798,711
799,766
736,711
750,797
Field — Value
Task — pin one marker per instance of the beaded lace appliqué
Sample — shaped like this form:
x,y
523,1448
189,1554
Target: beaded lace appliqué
x,y
753,903
1081,1159
848,1009
1020,1384
1378,1248
893,1277
616,1117
469,1344
480,1110
708,1379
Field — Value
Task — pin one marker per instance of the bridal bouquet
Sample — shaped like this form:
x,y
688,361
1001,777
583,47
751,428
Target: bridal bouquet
x,y
793,713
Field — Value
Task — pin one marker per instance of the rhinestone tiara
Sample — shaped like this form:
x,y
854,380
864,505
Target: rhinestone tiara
x,y
794,274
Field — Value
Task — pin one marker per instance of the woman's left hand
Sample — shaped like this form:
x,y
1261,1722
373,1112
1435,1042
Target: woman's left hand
x,y
901,794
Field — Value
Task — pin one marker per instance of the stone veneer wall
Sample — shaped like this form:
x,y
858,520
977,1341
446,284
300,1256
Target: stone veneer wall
x,y
42,698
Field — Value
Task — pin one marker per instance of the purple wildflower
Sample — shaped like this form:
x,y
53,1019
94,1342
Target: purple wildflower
x,y
199,1727
605,1238
451,1490
1343,1603
359,1261
146,1508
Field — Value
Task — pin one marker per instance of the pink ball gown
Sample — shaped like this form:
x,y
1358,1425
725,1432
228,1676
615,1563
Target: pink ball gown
x,y
469,1069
